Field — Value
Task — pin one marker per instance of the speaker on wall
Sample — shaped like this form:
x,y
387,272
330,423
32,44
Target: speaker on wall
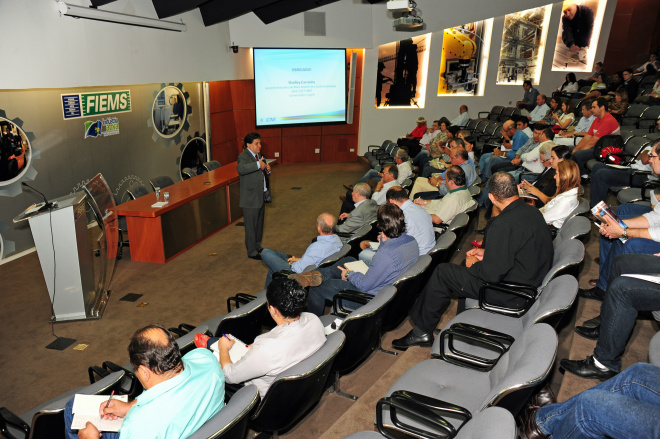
x,y
351,88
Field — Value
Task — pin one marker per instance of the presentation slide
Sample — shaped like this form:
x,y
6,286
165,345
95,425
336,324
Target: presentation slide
x,y
299,86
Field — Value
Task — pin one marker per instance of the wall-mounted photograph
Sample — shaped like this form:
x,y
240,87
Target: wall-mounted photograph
x,y
14,152
464,59
169,111
523,46
579,29
402,70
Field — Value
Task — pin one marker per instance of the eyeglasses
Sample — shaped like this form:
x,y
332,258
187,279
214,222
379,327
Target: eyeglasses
x,y
651,156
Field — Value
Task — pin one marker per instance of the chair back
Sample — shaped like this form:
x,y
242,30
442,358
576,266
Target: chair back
x,y
567,257
358,236
575,227
481,126
343,252
507,113
136,192
407,183
162,182
297,389
362,328
580,209
495,112
211,165
187,173
408,286
245,322
555,299
525,365
471,124
440,252
231,421
650,117
635,144
634,114
475,190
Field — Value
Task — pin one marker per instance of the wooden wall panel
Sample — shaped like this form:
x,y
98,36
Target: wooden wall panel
x,y
338,148
271,145
344,128
242,94
358,92
219,96
300,149
222,127
301,131
225,152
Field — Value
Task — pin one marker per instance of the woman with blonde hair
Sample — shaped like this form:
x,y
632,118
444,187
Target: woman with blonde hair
x,y
566,198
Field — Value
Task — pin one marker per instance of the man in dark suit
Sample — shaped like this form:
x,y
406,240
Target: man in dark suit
x,y
253,172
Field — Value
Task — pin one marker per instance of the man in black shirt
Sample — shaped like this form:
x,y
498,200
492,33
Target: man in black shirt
x,y
517,248
577,25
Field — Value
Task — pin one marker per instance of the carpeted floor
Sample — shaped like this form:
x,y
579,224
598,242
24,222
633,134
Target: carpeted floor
x,y
194,287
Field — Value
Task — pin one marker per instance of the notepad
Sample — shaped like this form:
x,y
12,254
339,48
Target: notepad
x,y
86,409
358,266
374,245
159,204
236,352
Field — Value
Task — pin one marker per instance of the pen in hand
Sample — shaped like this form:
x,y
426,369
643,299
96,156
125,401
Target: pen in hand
x,y
108,403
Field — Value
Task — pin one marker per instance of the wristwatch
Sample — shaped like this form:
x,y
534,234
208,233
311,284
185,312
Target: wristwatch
x,y
624,235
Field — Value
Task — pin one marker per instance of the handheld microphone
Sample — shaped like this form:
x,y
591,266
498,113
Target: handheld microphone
x,y
47,204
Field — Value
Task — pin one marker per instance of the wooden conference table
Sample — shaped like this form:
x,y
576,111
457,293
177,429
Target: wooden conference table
x,y
198,207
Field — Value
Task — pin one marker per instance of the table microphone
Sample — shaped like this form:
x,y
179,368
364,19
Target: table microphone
x,y
47,204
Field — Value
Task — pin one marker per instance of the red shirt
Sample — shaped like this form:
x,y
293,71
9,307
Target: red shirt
x,y
603,127
419,132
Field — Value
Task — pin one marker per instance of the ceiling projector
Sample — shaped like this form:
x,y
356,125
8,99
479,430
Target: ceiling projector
x,y
408,23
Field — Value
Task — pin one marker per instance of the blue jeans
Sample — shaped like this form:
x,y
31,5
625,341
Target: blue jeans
x,y
367,256
487,170
604,177
276,261
483,163
68,420
626,406
610,248
625,296
371,174
582,157
331,285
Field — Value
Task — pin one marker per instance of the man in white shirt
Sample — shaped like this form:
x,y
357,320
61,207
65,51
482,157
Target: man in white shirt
x,y
462,118
581,129
373,176
390,175
430,135
541,109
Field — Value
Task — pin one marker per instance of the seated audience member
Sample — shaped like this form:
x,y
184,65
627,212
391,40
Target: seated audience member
x,y
629,85
604,177
458,199
419,130
531,160
426,139
565,119
444,152
581,129
545,185
540,111
518,248
326,244
462,119
555,109
556,210
180,394
624,298
620,104
390,174
642,234
363,213
531,143
598,88
519,137
372,177
603,125
297,335
396,253
528,101
626,405
411,141
569,86
650,67
433,187
469,142
418,224
598,68
652,97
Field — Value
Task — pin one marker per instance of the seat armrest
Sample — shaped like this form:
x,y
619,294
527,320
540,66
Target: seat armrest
x,y
7,417
649,184
526,292
343,234
93,371
239,299
129,376
421,408
348,295
451,354
483,112
178,332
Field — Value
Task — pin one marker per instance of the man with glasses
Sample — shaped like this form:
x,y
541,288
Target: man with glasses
x,y
642,234
432,187
389,176
603,125
541,109
363,213
519,138
508,130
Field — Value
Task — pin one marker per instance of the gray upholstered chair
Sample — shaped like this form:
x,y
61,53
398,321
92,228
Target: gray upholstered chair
x,y
441,250
211,165
136,192
362,328
508,384
162,182
581,209
358,236
187,173
575,227
654,350
549,307
47,420
343,251
491,423
231,421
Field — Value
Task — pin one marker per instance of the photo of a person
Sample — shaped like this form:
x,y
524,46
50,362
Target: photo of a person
x,y
578,35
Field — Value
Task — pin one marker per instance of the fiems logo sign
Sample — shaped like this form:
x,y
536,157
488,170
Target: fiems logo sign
x,y
94,104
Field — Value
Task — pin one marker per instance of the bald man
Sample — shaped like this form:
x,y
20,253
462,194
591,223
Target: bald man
x,y
326,244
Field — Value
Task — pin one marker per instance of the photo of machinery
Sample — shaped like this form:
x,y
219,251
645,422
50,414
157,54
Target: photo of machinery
x,y
523,45
463,61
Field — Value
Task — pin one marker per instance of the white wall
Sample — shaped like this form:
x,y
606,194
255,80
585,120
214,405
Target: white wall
x,y
58,51
390,123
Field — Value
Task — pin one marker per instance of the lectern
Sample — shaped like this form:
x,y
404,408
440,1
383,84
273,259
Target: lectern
x,y
77,282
